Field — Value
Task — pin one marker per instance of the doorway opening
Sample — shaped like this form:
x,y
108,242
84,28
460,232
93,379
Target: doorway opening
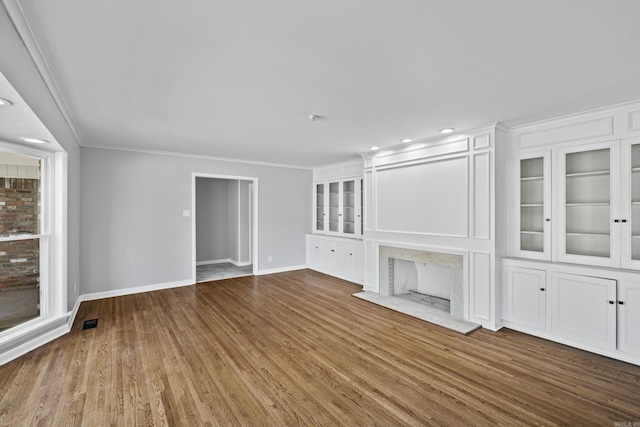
x,y
224,224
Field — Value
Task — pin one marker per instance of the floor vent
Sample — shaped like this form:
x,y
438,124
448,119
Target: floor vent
x,y
90,324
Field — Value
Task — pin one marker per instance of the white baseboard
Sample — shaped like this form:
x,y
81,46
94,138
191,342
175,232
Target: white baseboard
x,y
138,290
280,270
29,344
221,261
213,261
74,312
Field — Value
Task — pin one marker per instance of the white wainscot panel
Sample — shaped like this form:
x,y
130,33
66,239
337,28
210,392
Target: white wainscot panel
x,y
371,266
368,201
634,121
571,132
480,294
425,198
482,196
482,141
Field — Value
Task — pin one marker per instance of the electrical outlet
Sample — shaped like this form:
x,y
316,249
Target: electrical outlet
x,y
270,258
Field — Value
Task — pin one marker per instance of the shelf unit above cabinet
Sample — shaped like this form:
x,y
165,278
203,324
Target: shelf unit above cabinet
x,y
340,204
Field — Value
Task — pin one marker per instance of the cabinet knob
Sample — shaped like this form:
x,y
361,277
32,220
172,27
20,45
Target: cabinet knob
x,y
612,302
548,219
542,289
623,220
333,250
621,302
616,220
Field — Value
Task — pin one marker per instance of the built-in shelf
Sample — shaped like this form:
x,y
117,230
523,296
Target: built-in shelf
x,y
594,173
589,234
531,232
532,178
532,205
590,204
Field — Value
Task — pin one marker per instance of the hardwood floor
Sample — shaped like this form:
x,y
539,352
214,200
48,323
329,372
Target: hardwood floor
x,y
296,349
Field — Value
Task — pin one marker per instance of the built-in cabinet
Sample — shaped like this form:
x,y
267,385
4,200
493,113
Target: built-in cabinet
x,y
571,305
338,207
339,257
573,273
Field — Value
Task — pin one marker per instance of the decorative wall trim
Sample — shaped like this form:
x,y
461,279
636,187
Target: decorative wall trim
x,y
422,151
588,129
481,296
482,141
634,121
482,195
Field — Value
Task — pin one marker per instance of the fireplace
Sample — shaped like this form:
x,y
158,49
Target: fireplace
x,y
434,279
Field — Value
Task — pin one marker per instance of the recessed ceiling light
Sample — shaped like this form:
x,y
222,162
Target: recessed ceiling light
x,y
406,140
374,148
33,140
447,130
5,102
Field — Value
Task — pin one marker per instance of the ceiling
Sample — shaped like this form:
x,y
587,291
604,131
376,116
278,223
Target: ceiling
x,y
17,120
238,79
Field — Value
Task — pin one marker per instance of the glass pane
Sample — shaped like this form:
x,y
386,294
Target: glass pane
x,y
348,206
532,204
588,200
334,206
19,282
320,207
532,168
19,195
635,202
362,207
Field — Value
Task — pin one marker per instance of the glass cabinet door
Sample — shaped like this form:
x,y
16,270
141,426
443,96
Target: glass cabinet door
x,y
630,215
320,207
590,231
334,207
533,209
349,207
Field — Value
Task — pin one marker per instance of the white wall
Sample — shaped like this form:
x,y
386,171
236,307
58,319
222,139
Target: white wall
x,y
212,219
234,225
133,230
245,222
18,67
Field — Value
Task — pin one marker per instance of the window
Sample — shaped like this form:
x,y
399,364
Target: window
x,y
30,295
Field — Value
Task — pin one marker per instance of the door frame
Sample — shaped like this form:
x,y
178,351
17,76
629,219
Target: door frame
x,y
253,209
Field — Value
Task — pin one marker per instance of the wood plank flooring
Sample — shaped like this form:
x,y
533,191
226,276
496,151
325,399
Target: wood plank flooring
x,y
296,349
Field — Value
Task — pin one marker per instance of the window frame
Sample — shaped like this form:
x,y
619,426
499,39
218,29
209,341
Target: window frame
x,y
52,239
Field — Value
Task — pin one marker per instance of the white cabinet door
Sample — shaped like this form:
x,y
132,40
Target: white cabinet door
x,y
526,297
328,255
533,205
314,253
629,317
344,259
589,204
583,309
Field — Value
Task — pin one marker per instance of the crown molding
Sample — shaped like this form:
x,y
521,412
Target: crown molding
x,y
16,15
195,156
